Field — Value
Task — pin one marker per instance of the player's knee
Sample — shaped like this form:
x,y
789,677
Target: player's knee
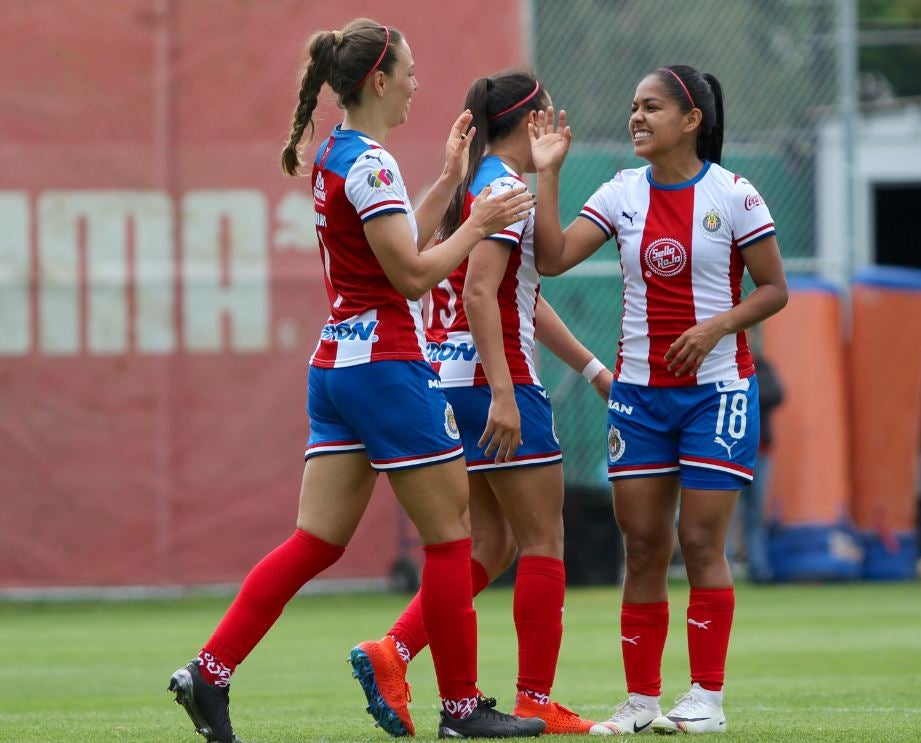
x,y
700,546
644,554
495,553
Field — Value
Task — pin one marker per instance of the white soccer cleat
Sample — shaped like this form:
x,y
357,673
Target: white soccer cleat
x,y
630,718
694,712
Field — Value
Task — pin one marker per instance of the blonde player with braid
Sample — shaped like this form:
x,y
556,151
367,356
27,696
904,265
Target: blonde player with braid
x,y
372,349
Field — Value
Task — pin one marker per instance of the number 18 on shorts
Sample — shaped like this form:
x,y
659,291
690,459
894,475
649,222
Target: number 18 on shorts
x,y
707,433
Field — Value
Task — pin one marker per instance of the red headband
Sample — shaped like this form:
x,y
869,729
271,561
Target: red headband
x,y
681,83
379,60
519,104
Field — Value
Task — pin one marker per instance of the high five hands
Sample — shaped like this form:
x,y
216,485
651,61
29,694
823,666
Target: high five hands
x,y
550,140
457,149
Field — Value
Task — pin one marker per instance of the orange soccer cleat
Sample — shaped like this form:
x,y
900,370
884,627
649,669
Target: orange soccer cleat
x,y
560,721
382,674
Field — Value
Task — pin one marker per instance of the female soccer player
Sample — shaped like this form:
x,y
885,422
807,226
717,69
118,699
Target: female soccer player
x,y
482,325
683,410
371,350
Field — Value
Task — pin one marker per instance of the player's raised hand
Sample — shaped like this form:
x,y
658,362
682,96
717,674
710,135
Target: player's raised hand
x,y
494,212
457,149
550,140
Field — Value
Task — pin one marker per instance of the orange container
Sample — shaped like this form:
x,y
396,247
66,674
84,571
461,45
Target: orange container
x,y
885,394
810,480
808,503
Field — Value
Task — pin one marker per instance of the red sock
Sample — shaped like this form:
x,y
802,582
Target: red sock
x,y
540,587
263,595
643,629
709,624
446,597
410,629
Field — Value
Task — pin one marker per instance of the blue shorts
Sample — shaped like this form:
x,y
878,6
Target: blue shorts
x,y
393,409
707,433
471,407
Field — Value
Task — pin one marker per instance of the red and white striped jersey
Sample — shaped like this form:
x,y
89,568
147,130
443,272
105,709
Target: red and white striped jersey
x,y
680,251
451,347
355,180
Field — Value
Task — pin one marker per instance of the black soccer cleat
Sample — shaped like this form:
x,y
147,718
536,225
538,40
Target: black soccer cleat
x,y
207,706
487,722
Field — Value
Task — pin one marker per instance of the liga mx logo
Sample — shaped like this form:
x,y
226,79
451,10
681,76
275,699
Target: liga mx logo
x,y
382,178
665,257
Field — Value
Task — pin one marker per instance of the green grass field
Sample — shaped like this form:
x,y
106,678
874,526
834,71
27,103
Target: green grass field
x,y
807,663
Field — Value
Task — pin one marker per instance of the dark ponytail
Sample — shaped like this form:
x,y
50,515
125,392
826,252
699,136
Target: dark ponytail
x,y
691,89
344,60
710,144
476,102
498,104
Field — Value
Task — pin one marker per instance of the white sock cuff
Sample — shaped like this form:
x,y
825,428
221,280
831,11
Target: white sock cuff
x,y
645,700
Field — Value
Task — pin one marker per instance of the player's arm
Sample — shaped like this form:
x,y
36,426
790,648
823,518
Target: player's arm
x,y
413,272
553,333
556,251
762,259
457,153
485,270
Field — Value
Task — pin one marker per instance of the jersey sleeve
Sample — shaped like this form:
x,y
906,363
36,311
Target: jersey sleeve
x,y
511,234
751,219
374,185
603,205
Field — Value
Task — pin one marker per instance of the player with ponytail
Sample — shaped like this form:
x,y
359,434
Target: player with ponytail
x,y
373,400
683,417
483,322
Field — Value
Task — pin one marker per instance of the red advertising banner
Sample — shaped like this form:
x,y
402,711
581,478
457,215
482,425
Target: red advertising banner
x,y
160,290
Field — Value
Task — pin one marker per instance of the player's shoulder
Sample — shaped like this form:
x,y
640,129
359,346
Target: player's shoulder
x,y
729,180
368,155
493,171
352,150
623,181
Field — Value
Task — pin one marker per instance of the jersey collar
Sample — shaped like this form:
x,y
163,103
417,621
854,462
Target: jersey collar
x,y
677,186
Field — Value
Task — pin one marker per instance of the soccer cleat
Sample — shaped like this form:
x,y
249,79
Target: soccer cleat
x,y
630,718
382,674
560,721
207,706
487,722
693,713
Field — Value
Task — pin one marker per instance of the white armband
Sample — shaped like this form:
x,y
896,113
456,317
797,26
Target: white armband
x,y
592,369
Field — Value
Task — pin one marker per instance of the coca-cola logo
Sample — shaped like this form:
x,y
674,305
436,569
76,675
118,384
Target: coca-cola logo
x,y
665,257
753,200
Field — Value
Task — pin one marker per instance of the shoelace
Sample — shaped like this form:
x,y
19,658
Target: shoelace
x,y
625,709
686,702
486,705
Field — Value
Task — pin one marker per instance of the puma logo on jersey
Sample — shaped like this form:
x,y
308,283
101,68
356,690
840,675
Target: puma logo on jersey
x,y
375,156
620,407
727,447
629,216
631,640
702,625
506,183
